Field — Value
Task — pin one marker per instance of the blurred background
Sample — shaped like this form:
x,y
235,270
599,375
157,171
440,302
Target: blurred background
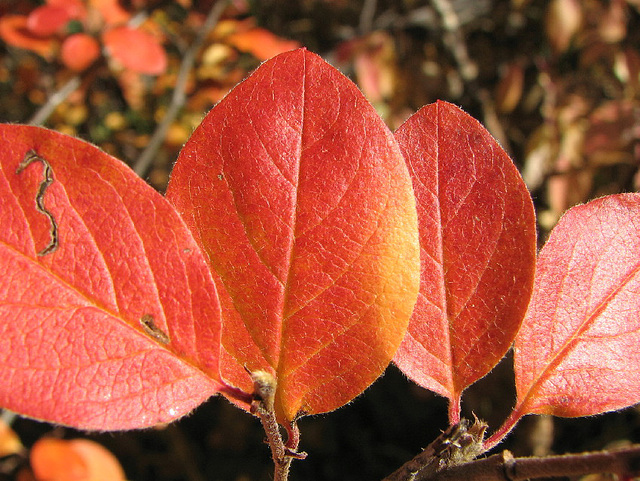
x,y
556,82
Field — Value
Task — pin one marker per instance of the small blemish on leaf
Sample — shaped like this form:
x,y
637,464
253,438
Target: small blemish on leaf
x,y
186,250
154,331
220,177
47,173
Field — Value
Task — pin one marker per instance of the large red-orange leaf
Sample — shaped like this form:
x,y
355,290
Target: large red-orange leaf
x,y
478,243
110,320
578,351
300,196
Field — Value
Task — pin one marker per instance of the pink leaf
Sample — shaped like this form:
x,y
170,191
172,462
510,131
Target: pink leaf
x,y
578,352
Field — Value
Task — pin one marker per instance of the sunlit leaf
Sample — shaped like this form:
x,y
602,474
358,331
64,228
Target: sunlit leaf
x,y
109,318
299,195
478,242
578,352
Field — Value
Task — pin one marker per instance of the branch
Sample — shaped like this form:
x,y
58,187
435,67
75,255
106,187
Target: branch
x,y
459,444
504,467
178,99
453,39
44,112
264,390
452,456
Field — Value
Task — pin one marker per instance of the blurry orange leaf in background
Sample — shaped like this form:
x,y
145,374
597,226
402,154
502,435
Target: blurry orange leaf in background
x,y
48,20
14,31
9,441
75,460
136,50
260,43
111,11
79,51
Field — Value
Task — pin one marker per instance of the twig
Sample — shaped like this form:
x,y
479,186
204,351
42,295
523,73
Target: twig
x,y
504,467
264,390
365,25
44,112
178,99
8,417
454,39
459,444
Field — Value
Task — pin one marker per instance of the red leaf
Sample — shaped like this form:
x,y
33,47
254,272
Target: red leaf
x,y
135,50
118,326
578,352
13,30
79,51
299,195
478,242
47,20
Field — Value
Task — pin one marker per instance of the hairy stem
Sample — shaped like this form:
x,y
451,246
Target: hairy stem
x,y
508,425
264,390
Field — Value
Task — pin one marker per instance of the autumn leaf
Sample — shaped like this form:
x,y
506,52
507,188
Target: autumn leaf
x,y
9,441
135,50
260,43
109,317
14,31
79,51
300,197
478,243
48,20
73,460
578,351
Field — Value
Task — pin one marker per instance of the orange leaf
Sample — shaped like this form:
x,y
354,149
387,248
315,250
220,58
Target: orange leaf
x,y
55,460
14,31
79,51
111,11
135,50
48,20
299,195
261,43
9,440
74,460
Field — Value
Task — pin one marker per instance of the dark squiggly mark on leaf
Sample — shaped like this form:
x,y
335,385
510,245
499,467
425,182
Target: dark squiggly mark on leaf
x,y
154,331
30,157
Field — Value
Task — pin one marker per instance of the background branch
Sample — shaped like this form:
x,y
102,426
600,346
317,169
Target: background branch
x,y
178,99
44,112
